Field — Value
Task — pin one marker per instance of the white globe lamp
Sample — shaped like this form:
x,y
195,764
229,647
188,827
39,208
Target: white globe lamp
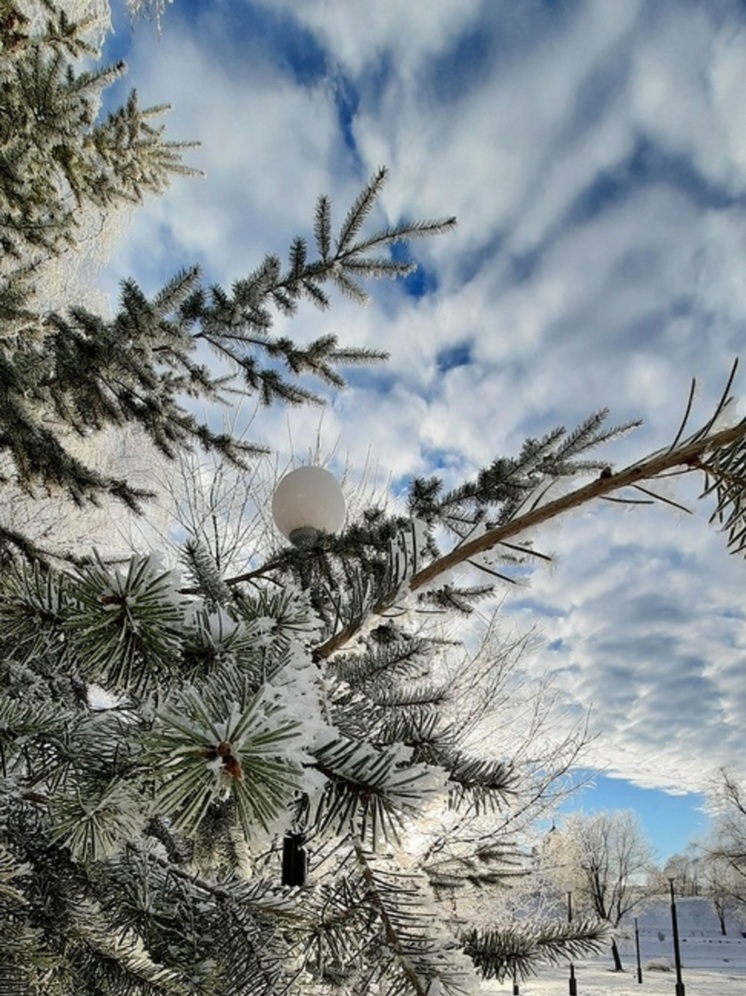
x,y
306,502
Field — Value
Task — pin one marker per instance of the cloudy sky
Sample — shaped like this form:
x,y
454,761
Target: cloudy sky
x,y
595,156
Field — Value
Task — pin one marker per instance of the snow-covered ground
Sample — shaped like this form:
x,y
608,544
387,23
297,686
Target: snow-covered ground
x,y
713,965
597,980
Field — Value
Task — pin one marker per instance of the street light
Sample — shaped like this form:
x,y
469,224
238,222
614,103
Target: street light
x,y
306,502
573,985
637,952
679,988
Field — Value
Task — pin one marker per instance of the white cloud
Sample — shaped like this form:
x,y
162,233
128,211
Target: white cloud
x,y
642,608
597,166
408,33
268,148
684,92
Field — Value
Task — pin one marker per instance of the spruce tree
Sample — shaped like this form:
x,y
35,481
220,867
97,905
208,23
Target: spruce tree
x,y
211,783
78,371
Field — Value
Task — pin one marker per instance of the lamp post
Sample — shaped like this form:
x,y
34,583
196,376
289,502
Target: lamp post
x,y
679,988
572,986
306,502
637,952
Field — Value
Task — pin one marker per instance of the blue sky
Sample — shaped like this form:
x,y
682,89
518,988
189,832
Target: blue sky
x,y
595,155
669,822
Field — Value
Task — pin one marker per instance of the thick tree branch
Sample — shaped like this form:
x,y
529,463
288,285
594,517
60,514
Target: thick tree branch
x,y
392,935
645,470
688,455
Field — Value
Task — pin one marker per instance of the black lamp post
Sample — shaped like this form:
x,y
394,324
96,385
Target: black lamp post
x,y
573,985
637,951
679,989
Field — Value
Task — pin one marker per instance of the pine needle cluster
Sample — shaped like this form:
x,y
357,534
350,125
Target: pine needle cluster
x,y
158,749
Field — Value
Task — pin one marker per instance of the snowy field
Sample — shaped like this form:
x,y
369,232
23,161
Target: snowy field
x,y
713,965
597,980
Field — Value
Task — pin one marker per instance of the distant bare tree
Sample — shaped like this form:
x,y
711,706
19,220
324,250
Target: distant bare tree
x,y
725,854
684,869
603,860
733,825
723,886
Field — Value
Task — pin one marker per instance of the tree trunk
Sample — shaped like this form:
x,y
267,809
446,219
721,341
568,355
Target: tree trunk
x,y
721,918
618,967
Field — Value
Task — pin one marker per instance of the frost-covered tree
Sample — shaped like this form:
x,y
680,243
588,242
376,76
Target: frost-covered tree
x,y
603,859
684,869
68,173
724,855
227,783
62,160
78,372
723,885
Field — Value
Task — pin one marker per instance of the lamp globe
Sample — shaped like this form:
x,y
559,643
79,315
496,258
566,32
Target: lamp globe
x,y
306,502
